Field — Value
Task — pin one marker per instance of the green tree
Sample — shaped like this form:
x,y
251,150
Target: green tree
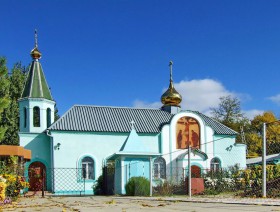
x,y
56,115
10,117
229,113
4,94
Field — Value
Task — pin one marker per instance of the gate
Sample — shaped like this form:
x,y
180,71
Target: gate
x,y
36,174
109,180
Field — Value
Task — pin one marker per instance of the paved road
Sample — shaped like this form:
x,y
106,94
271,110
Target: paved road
x,y
135,204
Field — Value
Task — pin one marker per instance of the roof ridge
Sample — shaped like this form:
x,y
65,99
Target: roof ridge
x,y
125,107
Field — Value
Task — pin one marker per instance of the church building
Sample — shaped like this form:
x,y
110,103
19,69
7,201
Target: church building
x,y
70,153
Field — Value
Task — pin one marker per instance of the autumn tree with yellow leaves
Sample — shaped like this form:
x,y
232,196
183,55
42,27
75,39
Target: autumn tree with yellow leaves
x,y
254,137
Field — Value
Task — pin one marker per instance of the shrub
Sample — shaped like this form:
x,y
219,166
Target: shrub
x,y
138,186
14,185
2,190
164,189
98,187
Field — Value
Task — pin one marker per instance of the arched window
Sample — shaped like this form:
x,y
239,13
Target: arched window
x,y
25,117
36,116
215,164
88,168
49,122
160,168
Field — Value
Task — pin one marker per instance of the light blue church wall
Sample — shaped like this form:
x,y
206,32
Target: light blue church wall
x,y
99,146
40,146
229,152
136,167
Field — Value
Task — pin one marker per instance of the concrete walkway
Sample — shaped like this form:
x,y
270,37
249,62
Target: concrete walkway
x,y
126,204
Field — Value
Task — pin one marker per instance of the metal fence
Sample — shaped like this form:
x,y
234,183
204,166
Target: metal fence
x,y
57,181
233,180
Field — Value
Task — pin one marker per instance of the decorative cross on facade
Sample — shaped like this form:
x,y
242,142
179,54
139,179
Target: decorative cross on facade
x,y
132,124
170,65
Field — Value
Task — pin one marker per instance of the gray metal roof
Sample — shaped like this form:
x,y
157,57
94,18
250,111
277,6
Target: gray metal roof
x,y
117,119
111,119
275,158
218,127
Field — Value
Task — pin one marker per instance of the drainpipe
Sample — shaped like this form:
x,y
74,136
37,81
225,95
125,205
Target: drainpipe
x,y
52,157
190,172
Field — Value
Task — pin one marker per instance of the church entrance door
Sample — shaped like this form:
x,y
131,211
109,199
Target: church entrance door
x,y
196,171
37,176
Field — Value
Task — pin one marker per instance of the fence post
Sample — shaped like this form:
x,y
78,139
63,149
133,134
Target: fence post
x,y
190,174
264,162
43,183
105,179
151,178
84,176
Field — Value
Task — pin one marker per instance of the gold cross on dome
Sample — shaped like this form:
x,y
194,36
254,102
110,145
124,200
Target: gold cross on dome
x,y
170,65
36,38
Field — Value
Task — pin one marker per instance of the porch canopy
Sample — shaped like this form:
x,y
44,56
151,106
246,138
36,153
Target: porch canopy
x,y
134,154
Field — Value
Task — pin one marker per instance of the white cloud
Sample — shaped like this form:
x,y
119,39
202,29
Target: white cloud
x,y
275,99
197,95
250,114
143,104
201,94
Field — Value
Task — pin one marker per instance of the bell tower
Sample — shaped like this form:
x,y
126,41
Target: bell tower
x,y
36,104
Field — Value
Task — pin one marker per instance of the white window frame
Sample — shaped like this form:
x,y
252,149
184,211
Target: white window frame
x,y
158,166
87,165
215,164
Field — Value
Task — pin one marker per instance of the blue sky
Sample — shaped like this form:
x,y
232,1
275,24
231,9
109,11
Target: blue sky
x,y
116,53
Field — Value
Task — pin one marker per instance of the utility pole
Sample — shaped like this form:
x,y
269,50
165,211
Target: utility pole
x,y
264,162
190,172
151,177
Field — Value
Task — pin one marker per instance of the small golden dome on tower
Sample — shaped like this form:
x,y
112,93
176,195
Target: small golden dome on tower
x,y
35,53
171,96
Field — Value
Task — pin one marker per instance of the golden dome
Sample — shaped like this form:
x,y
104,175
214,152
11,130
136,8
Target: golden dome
x,y
171,96
35,53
